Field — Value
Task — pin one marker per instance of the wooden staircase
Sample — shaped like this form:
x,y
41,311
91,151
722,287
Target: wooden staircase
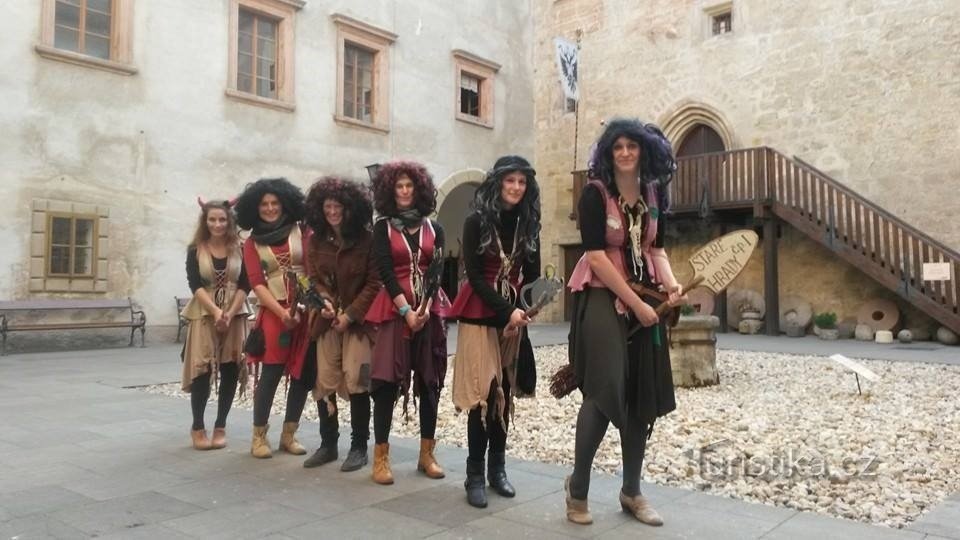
x,y
766,183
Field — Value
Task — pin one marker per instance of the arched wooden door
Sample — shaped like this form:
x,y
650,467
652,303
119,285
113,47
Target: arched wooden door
x,y
702,139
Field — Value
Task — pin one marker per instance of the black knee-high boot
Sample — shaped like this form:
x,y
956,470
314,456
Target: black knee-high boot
x,y
329,434
359,432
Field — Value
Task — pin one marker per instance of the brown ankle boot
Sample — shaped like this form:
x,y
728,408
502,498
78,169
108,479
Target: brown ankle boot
x,y
219,439
260,447
577,509
200,440
381,464
288,439
640,507
427,463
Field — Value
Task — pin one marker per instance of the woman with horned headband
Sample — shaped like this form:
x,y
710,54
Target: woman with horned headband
x,y
340,213
501,250
621,278
271,208
411,335
217,316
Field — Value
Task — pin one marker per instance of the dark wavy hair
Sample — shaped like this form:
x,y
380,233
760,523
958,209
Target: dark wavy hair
x,y
202,234
424,192
487,203
657,162
248,203
357,208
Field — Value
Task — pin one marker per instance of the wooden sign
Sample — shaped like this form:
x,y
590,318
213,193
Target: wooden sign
x,y
720,261
855,367
936,271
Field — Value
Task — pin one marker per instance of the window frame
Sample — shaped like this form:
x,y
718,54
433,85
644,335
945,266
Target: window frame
x,y
377,41
121,34
73,217
283,12
485,71
714,11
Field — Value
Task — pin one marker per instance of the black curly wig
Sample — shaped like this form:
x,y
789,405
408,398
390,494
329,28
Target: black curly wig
x,y
424,192
657,162
357,208
248,203
487,203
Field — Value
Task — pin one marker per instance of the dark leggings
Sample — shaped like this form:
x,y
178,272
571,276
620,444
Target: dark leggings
x,y
496,433
200,393
591,427
384,399
270,377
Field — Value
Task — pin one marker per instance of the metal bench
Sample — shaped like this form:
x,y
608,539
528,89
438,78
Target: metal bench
x,y
65,314
181,303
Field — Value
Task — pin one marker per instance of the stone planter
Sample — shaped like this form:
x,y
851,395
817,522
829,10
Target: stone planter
x,y
694,353
829,334
793,329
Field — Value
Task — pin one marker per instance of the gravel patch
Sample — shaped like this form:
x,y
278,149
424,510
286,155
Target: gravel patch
x,y
780,429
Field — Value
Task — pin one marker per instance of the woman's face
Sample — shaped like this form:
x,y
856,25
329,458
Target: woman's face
x,y
626,155
333,212
512,188
403,192
270,208
217,222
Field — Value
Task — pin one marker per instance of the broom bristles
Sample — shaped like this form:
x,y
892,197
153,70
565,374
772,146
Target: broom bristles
x,y
563,381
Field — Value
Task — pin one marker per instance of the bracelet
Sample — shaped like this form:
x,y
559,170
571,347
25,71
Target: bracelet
x,y
404,310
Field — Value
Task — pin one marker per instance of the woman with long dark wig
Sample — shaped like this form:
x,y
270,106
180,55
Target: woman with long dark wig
x,y
271,208
405,242
217,316
340,213
621,278
501,250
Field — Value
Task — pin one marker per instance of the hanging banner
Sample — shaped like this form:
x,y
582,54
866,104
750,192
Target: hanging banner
x,y
567,65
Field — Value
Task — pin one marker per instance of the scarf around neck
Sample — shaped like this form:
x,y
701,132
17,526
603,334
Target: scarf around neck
x,y
271,234
410,217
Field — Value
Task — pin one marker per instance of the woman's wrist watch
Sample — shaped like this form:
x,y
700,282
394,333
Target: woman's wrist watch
x,y
404,310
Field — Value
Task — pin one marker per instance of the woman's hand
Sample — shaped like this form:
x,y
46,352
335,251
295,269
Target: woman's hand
x,y
675,295
518,319
341,323
222,323
290,321
411,319
644,313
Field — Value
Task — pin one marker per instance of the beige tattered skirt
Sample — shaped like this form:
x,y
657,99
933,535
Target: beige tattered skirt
x,y
483,357
343,363
205,347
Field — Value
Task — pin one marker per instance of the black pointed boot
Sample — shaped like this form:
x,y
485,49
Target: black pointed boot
x,y
497,475
475,484
329,435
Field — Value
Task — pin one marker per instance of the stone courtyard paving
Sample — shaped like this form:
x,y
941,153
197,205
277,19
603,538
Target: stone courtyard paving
x,y
780,429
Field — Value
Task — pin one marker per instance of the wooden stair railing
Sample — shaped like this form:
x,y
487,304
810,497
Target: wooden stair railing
x,y
880,244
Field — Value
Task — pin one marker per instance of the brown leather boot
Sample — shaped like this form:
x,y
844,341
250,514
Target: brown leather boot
x,y
381,464
577,509
200,440
288,439
260,447
219,439
427,463
640,507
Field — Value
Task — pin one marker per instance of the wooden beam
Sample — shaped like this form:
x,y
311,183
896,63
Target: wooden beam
x,y
771,285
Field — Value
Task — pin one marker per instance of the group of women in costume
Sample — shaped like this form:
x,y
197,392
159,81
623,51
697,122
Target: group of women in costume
x,y
375,330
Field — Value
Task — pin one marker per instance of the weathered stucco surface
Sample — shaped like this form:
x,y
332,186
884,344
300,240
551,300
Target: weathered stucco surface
x,y
146,145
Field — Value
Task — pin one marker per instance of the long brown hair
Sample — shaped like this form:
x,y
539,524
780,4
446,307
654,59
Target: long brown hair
x,y
202,234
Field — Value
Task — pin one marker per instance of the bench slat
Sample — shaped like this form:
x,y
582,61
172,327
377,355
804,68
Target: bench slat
x,y
71,326
49,304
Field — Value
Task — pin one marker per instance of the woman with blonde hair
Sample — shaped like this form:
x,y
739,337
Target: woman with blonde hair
x,y
217,316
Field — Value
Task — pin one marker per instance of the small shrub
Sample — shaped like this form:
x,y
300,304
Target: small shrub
x,y
687,309
826,320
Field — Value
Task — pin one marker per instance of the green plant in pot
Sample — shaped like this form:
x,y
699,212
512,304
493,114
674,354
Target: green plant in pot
x,y
687,310
827,323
